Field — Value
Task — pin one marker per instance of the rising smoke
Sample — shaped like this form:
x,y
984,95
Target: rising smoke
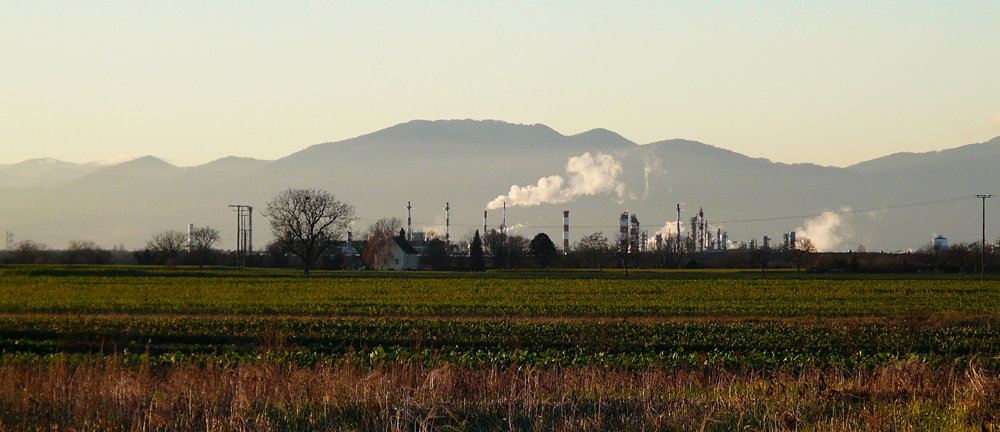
x,y
588,175
651,165
826,231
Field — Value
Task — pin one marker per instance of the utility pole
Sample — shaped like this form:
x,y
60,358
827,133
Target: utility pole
x,y
982,247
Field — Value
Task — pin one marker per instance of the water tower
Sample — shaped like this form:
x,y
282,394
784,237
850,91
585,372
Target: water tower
x,y
940,243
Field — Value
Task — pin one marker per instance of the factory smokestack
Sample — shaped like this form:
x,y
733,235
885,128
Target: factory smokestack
x,y
503,222
190,237
634,234
484,221
409,222
565,231
623,228
447,222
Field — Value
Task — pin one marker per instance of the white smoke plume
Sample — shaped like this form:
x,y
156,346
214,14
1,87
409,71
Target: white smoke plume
x,y
826,231
588,175
651,165
669,229
514,229
668,232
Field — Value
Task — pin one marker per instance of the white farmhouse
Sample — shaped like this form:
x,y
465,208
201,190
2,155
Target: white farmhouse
x,y
402,255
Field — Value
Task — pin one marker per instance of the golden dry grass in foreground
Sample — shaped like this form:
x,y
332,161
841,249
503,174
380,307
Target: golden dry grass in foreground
x,y
904,395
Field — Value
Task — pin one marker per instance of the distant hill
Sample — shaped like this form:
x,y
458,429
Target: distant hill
x,y
230,165
913,162
144,167
42,171
896,202
35,167
602,139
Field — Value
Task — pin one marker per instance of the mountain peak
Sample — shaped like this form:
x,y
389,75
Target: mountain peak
x,y
146,166
467,130
601,136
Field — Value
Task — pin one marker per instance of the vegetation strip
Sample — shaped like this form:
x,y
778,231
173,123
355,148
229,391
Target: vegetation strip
x,y
311,341
499,297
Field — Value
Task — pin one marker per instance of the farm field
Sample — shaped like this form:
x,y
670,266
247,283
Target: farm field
x,y
514,294
220,350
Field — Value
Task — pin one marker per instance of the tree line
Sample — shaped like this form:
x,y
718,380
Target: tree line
x,y
309,228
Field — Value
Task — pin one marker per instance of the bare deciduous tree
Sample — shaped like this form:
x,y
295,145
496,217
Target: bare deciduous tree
x,y
305,222
85,252
801,252
29,252
761,256
593,250
671,254
627,252
202,241
168,244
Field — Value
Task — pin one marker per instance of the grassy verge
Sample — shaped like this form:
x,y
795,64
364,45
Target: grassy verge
x,y
107,396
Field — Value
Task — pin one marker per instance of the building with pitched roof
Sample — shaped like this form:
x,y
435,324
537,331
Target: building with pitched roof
x,y
403,256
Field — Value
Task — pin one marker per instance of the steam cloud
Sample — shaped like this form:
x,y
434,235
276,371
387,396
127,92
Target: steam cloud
x,y
588,175
826,231
669,229
651,165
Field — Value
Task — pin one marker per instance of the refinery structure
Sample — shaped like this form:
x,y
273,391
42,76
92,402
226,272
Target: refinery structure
x,y
677,243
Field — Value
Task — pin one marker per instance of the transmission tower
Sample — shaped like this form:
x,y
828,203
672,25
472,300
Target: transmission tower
x,y
10,240
244,234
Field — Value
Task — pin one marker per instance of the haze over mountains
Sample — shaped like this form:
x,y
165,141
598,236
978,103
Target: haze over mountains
x,y
890,203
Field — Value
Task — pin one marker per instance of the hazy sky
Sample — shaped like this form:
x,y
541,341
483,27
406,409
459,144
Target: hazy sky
x,y
831,82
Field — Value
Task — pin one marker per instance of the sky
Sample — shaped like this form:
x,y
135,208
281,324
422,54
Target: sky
x,y
826,82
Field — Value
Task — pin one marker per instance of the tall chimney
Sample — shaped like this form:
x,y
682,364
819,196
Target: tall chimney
x,y
634,234
484,222
190,237
447,222
565,231
677,242
623,228
409,222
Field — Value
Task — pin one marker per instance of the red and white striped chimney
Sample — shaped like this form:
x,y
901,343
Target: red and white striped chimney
x,y
565,231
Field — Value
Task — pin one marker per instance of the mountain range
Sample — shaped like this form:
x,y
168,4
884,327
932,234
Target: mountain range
x,y
896,202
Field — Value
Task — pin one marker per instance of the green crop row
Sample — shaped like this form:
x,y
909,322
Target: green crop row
x,y
489,342
496,297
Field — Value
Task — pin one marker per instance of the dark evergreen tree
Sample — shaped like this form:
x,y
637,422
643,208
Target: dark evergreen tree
x,y
476,261
435,256
543,251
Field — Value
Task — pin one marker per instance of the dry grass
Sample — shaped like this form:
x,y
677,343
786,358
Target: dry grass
x,y
108,396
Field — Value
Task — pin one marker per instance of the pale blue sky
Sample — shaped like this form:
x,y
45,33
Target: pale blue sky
x,y
831,82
